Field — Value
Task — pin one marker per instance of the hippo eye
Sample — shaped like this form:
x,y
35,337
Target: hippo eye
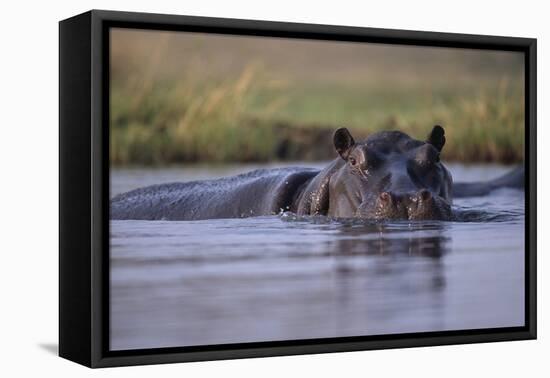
x,y
352,161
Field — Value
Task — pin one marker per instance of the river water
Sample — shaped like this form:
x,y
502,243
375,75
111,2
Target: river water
x,y
285,277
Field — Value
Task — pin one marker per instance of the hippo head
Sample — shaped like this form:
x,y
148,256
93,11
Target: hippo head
x,y
390,176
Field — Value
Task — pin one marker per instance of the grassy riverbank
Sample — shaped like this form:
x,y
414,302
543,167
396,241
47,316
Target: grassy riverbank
x,y
253,110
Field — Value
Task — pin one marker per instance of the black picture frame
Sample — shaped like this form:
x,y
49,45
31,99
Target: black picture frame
x,y
84,187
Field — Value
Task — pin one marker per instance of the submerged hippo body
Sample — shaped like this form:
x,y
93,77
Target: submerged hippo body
x,y
387,176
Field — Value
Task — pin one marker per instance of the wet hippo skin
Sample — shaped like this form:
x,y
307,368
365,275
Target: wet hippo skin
x,y
387,176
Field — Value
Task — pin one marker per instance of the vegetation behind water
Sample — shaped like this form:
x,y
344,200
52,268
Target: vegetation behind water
x,y
189,97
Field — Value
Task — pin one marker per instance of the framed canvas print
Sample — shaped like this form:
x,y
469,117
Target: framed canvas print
x,y
234,188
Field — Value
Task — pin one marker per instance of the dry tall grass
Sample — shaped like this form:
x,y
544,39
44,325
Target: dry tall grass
x,y
173,99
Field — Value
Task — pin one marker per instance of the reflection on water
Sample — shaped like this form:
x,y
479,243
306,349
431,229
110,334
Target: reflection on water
x,y
288,277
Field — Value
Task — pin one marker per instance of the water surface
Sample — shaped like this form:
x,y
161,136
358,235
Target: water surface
x,y
287,277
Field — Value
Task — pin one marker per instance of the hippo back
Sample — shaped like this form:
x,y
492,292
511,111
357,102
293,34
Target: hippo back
x,y
260,192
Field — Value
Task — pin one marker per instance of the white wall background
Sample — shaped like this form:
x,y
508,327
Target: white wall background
x,y
29,186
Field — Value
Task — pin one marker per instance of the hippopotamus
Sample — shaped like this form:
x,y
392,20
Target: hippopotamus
x,y
387,176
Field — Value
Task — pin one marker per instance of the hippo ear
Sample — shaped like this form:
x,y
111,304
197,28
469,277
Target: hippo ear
x,y
437,137
343,142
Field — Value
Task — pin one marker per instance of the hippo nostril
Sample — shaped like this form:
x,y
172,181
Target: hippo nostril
x,y
424,195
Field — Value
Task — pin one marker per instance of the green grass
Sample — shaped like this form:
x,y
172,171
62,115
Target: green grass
x,y
241,120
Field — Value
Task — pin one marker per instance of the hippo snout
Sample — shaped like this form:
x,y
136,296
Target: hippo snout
x,y
419,205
